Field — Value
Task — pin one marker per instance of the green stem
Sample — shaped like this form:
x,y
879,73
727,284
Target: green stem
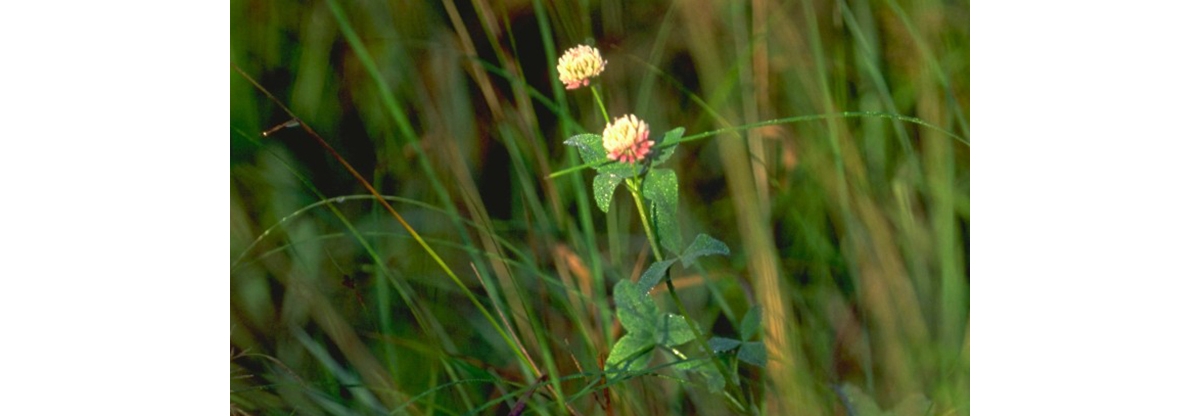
x,y
577,168
600,102
635,187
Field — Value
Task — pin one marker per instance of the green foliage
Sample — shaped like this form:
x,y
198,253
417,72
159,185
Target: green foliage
x,y
631,353
659,186
674,330
665,147
603,186
662,190
645,326
722,344
591,147
591,150
703,245
637,312
707,369
751,323
653,275
751,352
608,174
754,353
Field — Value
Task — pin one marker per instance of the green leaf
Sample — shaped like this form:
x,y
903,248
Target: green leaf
x,y
622,170
751,323
722,344
662,189
591,147
637,312
674,330
665,147
707,370
653,275
631,353
610,174
703,245
753,353
603,186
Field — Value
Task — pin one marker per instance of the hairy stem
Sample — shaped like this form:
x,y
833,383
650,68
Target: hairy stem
x,y
635,187
600,102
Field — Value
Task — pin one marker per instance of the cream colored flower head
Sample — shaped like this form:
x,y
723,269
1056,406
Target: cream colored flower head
x,y
578,65
627,139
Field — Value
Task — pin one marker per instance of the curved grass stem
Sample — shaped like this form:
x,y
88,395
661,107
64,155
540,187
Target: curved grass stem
x,y
509,340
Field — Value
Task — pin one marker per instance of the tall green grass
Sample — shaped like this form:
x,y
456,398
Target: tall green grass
x,y
830,152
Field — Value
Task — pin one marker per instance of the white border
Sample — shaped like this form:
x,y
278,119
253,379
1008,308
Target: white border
x,y
115,199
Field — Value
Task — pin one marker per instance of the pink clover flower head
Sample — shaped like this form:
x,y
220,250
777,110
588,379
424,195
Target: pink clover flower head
x,y
627,139
578,65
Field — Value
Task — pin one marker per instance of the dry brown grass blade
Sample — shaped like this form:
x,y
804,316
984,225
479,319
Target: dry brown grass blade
x,y
786,371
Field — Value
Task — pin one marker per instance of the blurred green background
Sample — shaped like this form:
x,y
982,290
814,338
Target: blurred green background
x,y
851,232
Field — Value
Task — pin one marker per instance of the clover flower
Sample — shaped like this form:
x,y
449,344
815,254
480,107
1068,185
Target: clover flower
x,y
627,139
578,65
